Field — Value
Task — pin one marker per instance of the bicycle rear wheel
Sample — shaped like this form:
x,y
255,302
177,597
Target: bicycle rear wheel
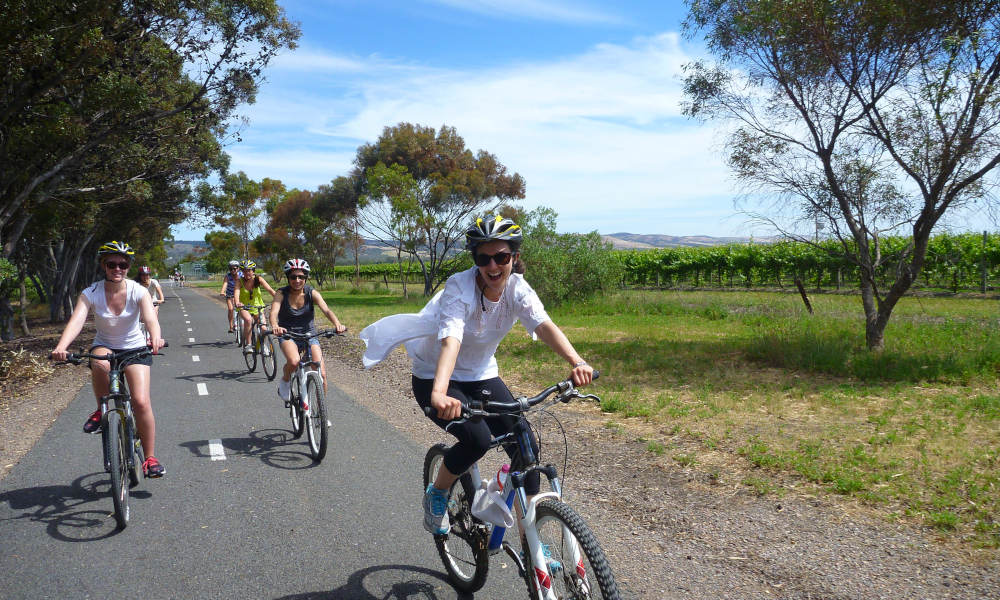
x,y
117,452
463,549
315,417
295,407
250,351
268,356
575,564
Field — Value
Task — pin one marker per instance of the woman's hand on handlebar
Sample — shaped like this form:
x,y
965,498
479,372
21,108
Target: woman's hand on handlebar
x,y
155,345
278,330
447,408
582,374
58,355
340,328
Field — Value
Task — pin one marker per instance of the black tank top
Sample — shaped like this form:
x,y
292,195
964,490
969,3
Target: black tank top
x,y
301,320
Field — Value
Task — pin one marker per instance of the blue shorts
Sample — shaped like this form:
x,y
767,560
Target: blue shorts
x,y
313,341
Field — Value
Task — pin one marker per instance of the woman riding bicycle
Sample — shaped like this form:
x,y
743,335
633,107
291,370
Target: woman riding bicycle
x,y
250,295
293,310
229,291
452,343
145,279
119,304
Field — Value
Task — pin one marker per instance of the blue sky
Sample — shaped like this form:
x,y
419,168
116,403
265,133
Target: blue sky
x,y
581,98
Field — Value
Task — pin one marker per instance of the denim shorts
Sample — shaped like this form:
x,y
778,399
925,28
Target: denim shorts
x,y
313,341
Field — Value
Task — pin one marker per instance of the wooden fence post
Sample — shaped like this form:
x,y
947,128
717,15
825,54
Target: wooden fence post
x,y
802,292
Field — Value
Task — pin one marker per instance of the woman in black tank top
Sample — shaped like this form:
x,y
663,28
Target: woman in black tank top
x,y
293,309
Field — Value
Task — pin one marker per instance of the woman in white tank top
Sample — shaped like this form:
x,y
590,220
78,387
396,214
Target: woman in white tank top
x,y
118,304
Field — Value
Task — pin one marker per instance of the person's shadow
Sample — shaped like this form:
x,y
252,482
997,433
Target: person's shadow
x,y
79,512
388,582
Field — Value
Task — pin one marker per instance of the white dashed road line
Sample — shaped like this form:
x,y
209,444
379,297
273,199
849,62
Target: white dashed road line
x,y
215,450
202,389
190,340
194,358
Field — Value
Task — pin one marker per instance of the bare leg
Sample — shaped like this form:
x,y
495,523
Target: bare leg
x,y
142,408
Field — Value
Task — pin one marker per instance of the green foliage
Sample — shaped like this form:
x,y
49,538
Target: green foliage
x,y
565,267
421,189
954,262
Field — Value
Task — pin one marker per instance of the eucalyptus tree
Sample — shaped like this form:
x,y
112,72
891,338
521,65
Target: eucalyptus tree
x,y
427,192
864,118
97,80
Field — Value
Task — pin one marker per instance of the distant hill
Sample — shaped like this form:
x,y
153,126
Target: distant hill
x,y
181,248
631,241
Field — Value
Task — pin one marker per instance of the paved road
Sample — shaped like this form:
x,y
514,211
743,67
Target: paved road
x,y
264,522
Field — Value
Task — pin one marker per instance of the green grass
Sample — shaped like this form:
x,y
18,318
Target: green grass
x,y
791,400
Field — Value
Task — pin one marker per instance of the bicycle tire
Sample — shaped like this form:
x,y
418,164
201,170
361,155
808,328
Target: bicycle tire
x,y
268,356
315,418
560,528
250,351
463,550
295,408
115,450
238,328
135,475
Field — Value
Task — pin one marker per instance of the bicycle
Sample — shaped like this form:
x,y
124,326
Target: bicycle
x,y
307,383
142,324
123,453
237,328
560,557
261,343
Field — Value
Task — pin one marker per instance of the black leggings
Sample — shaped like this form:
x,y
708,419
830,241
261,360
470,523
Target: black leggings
x,y
474,436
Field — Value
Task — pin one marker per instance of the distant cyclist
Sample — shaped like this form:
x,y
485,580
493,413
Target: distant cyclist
x,y
229,283
249,287
293,310
145,279
452,343
119,304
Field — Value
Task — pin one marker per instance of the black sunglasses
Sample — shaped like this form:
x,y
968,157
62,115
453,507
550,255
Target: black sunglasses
x,y
500,258
297,277
119,265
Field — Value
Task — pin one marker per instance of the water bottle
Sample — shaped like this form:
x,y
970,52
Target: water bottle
x,y
496,536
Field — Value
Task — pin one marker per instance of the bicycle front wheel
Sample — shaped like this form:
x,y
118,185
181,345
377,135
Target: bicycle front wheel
x,y
295,407
575,564
135,474
316,425
268,356
463,549
116,450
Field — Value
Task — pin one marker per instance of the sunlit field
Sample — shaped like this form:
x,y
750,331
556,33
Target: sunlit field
x,y
749,385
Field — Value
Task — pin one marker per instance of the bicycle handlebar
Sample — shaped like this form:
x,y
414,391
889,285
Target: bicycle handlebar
x,y
121,356
291,335
496,408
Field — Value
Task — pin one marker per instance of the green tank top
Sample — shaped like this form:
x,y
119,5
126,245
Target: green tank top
x,y
254,298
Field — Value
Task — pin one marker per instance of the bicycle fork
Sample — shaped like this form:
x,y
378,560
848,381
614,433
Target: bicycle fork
x,y
539,564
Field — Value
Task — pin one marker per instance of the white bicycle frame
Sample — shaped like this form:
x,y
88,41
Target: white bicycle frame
x,y
527,508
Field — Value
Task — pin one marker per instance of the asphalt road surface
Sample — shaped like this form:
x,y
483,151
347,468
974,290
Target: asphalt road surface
x,y
243,511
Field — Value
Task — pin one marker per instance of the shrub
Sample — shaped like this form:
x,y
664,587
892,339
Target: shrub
x,y
566,266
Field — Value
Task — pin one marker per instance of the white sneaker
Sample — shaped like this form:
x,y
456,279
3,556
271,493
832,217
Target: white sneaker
x,y
284,388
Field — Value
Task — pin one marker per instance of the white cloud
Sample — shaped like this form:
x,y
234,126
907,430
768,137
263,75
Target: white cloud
x,y
599,133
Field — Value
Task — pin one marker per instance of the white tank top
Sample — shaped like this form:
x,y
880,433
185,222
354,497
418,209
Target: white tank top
x,y
117,331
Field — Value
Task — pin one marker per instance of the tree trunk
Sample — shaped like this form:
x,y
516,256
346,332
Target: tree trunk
x,y
24,307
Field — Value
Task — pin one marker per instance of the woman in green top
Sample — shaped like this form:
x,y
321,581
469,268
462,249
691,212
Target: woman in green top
x,y
250,295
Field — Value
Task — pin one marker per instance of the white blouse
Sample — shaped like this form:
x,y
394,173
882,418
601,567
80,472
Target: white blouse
x,y
117,331
457,311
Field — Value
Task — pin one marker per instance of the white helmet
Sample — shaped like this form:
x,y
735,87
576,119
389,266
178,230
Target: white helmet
x,y
296,263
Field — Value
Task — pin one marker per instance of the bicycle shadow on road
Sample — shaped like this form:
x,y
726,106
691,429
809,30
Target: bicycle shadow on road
x,y
389,582
274,447
237,375
215,344
79,512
